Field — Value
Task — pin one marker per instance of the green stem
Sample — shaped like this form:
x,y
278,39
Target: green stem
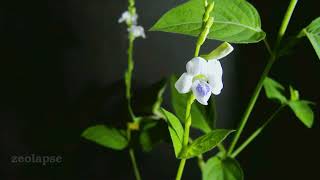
x,y
251,103
180,169
128,77
128,82
134,164
188,121
201,162
221,148
197,50
266,43
187,125
285,23
256,133
265,73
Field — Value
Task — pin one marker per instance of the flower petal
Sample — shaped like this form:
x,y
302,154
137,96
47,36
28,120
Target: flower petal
x,y
197,66
128,18
124,16
216,84
214,68
137,31
184,83
214,74
202,91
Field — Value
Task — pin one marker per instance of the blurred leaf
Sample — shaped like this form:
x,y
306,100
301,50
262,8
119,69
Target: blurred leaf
x,y
204,143
152,133
294,94
106,136
222,169
235,21
175,129
303,111
312,31
148,100
156,108
274,90
198,112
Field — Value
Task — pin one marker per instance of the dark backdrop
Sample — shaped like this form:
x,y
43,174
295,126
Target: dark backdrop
x,y
59,58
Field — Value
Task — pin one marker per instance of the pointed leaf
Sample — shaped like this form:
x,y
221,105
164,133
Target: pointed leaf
x,y
312,31
205,143
235,21
198,112
222,169
106,136
303,112
175,129
274,90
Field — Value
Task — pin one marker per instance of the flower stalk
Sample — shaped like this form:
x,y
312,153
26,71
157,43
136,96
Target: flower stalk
x,y
187,125
207,21
130,18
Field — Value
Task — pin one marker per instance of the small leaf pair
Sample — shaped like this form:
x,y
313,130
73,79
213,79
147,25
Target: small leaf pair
x,y
301,108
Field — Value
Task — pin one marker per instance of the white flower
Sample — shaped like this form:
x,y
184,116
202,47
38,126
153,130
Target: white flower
x,y
137,31
202,77
128,18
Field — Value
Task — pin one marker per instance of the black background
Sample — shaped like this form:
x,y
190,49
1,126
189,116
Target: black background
x,y
58,59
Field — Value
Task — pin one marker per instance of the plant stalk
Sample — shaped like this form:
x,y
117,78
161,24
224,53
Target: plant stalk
x,y
256,133
265,73
187,125
134,164
128,82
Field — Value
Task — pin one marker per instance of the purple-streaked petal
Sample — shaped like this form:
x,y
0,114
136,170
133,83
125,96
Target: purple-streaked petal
x,y
202,91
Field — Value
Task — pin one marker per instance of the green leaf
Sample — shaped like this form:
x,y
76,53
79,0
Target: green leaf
x,y
303,111
294,94
274,90
106,136
204,143
198,112
235,21
175,129
222,169
312,31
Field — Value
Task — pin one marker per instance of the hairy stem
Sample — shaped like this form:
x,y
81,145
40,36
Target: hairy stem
x,y
128,82
187,125
265,73
128,75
